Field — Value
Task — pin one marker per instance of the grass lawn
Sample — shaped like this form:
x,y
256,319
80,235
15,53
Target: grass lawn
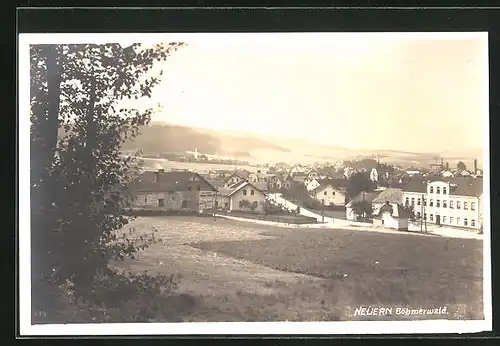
x,y
367,268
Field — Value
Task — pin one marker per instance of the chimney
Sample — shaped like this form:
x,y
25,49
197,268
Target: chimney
x,y
475,166
157,175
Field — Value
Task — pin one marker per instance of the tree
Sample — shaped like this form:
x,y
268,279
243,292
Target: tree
x,y
80,178
359,182
461,166
362,208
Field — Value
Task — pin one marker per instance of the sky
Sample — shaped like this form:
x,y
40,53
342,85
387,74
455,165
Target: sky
x,y
401,92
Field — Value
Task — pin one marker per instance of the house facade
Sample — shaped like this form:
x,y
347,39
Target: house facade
x,y
391,215
171,191
243,196
330,195
451,202
235,177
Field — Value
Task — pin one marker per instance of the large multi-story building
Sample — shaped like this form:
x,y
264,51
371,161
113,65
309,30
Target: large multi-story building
x,y
452,202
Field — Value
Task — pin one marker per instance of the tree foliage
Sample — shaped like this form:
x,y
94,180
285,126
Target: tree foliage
x,y
80,178
362,208
461,166
358,182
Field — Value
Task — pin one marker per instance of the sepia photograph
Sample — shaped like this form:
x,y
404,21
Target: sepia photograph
x,y
268,183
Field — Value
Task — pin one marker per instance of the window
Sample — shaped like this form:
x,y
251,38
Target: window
x,y
444,219
418,201
425,202
445,204
418,214
431,217
431,189
244,192
438,189
458,221
252,192
438,203
431,203
458,204
184,204
425,216
198,187
466,205
452,219
407,201
473,223
161,202
451,204
333,193
226,205
324,193
465,222
444,190
413,201
472,205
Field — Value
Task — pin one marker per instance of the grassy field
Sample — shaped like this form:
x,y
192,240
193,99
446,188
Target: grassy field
x,y
245,272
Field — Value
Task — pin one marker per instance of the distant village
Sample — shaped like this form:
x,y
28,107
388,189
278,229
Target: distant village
x,y
359,190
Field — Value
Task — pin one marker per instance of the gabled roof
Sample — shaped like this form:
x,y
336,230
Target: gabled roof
x,y
364,196
337,183
170,181
391,195
398,210
242,185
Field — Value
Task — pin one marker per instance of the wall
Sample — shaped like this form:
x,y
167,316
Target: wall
x,y
349,214
238,196
311,185
394,223
222,202
330,198
171,200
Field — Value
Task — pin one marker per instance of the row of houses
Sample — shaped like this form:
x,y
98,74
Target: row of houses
x,y
456,202
189,191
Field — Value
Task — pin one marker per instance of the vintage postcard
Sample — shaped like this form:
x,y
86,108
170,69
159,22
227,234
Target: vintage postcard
x,y
258,183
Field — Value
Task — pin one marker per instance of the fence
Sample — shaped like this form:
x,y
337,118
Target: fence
x,y
285,218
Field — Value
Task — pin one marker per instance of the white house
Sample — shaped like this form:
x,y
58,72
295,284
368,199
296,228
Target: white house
x,y
447,174
242,192
451,202
330,193
391,215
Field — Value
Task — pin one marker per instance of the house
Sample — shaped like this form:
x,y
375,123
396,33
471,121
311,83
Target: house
x,y
391,195
362,196
257,177
447,201
330,192
242,196
340,183
182,190
236,177
391,215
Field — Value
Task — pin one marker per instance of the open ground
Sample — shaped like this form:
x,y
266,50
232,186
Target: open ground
x,y
238,271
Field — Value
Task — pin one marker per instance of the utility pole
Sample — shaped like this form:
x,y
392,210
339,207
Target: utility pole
x,y
215,205
323,210
422,214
